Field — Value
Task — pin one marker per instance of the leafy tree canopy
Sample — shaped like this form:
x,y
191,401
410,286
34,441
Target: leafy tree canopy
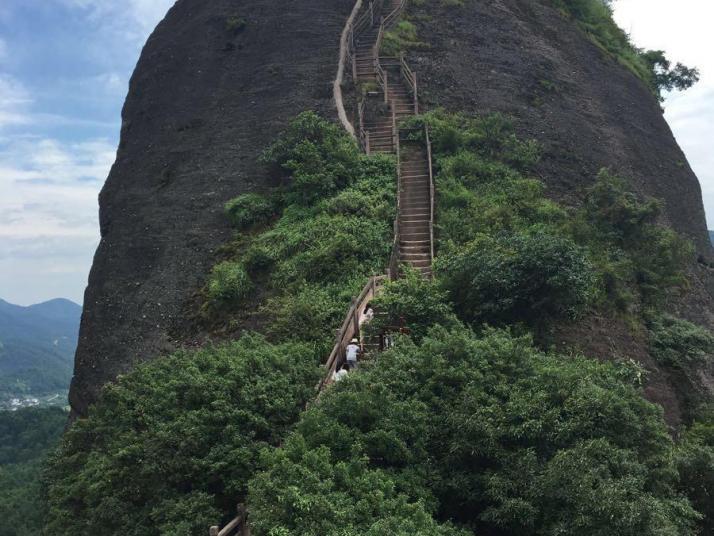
x,y
170,447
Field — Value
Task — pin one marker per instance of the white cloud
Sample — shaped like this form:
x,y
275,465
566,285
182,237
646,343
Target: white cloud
x,y
133,19
14,102
50,189
48,215
683,31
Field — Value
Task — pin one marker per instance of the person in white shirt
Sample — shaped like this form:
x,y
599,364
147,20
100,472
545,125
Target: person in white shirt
x,y
339,374
353,351
367,315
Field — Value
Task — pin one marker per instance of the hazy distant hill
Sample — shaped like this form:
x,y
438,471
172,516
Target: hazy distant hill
x,y
711,236
37,345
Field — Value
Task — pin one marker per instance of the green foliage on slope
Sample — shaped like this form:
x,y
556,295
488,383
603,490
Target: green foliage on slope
x,y
330,228
508,254
485,431
26,438
171,446
678,343
451,433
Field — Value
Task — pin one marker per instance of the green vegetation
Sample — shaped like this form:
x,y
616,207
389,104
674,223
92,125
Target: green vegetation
x,y
485,431
26,437
229,283
235,24
694,458
677,343
414,300
310,244
401,38
534,277
508,254
171,446
249,209
595,18
459,429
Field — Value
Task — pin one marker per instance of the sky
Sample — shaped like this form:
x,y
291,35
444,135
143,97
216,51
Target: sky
x,y
64,72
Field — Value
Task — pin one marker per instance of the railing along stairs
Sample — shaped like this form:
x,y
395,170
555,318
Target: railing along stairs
x,y
350,327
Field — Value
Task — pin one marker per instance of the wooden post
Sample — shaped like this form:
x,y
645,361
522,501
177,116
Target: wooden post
x,y
416,96
386,87
213,531
367,148
243,515
355,317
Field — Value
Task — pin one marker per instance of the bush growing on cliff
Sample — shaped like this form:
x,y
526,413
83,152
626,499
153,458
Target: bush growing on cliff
x,y
694,458
229,283
170,447
629,246
419,302
514,278
487,432
333,226
247,210
315,157
675,342
485,191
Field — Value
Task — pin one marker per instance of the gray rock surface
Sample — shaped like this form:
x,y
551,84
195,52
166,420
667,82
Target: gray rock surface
x,y
204,101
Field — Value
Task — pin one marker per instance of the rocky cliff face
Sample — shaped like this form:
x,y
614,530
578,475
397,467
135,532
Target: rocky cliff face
x,y
205,100
207,96
525,59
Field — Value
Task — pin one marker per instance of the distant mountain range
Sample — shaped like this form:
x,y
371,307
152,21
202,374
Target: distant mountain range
x,y
711,236
37,345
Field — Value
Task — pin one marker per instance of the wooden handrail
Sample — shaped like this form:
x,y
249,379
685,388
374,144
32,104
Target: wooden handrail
x,y
350,328
432,192
237,526
394,263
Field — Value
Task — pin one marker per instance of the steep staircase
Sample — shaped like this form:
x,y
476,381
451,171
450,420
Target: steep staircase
x,y
394,85
396,100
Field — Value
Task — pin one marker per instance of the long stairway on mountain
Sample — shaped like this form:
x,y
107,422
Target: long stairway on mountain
x,y
381,133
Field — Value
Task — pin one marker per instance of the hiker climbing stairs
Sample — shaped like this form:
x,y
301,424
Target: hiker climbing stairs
x,y
395,87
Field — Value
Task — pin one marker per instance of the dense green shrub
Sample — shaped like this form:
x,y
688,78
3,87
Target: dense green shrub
x,y
485,191
401,38
694,458
170,447
316,158
488,432
304,315
327,248
26,437
249,209
491,137
229,283
532,278
628,244
417,301
676,342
